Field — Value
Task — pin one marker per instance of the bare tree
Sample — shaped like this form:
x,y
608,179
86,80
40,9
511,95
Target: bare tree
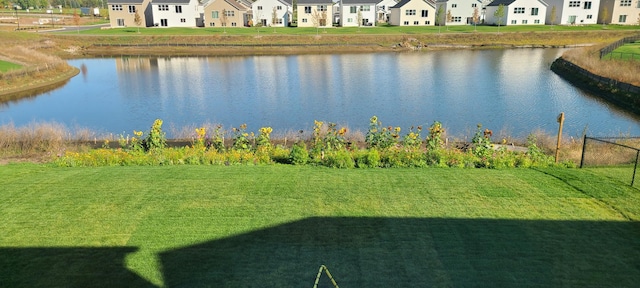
x,y
138,20
76,20
359,18
274,18
475,18
223,20
554,15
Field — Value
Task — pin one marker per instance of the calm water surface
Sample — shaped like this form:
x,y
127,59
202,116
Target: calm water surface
x,y
512,91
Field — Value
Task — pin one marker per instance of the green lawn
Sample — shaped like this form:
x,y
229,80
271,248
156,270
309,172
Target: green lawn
x,y
627,51
273,226
6,66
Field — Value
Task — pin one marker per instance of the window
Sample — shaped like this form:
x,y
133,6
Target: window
x,y
427,22
307,9
474,5
230,13
117,7
574,3
322,8
622,18
182,20
514,22
410,12
416,23
534,11
525,22
456,19
589,16
406,23
178,9
259,7
163,7
365,8
454,5
625,3
278,7
233,24
353,9
518,10
304,20
132,9
349,20
537,21
425,13
214,15
211,24
587,4
163,23
120,22
278,21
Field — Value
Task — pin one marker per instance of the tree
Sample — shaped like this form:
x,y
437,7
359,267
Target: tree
x,y
554,14
605,15
439,17
476,18
274,18
76,20
138,20
359,19
499,15
449,18
223,20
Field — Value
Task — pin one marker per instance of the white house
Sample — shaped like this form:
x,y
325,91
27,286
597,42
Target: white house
x,y
176,13
315,13
622,12
266,11
459,12
353,10
573,12
413,13
516,12
383,10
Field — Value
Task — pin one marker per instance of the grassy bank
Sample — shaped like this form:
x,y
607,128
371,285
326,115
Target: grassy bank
x,y
202,226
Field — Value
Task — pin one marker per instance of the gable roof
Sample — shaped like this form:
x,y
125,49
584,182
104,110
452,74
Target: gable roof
x,y
170,1
286,2
235,4
349,2
125,2
328,2
501,2
404,2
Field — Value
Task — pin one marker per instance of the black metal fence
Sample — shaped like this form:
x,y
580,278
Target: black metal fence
x,y
622,56
615,45
611,151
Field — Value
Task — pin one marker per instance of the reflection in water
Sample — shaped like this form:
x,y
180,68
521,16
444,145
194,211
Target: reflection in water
x,y
510,90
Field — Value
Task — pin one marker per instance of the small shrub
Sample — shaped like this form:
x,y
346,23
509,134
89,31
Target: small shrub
x,y
381,137
339,159
156,140
299,154
241,140
369,158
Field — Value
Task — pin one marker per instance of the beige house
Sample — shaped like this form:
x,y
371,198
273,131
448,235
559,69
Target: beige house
x,y
315,13
122,13
623,12
226,13
413,13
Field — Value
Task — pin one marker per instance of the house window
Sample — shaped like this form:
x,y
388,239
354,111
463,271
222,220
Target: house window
x,y
163,7
163,23
259,7
117,7
233,24
277,7
587,4
534,11
525,22
518,10
589,16
410,12
178,9
353,9
304,20
365,8
230,13
456,19
120,22
514,22
622,18
212,24
625,3
427,22
214,15
474,5
416,22
574,3
454,5
425,13
322,8
406,23
537,21
182,20
278,21
307,9
132,9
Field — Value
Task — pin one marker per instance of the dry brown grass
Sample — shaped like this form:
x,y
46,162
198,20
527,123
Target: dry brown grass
x,y
589,59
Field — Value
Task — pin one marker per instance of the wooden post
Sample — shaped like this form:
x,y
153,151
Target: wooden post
x,y
561,122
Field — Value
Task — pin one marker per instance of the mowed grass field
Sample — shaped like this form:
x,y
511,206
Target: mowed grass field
x,y
6,66
273,226
627,52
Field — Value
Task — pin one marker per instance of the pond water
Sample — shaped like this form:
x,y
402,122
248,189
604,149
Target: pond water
x,y
512,91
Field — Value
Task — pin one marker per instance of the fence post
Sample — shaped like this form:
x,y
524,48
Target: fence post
x,y
584,147
635,167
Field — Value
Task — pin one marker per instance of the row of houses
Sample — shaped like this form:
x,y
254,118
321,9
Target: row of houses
x,y
352,13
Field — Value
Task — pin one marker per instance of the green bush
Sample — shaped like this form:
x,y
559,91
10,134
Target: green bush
x,y
338,159
369,158
299,154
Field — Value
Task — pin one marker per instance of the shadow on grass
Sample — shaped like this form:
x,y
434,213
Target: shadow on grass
x,y
415,252
67,267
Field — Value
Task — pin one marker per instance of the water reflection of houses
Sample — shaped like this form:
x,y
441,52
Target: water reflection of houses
x,y
135,64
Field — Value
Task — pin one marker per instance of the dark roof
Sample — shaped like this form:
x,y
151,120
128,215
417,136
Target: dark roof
x,y
124,2
501,2
170,1
328,2
404,2
235,4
